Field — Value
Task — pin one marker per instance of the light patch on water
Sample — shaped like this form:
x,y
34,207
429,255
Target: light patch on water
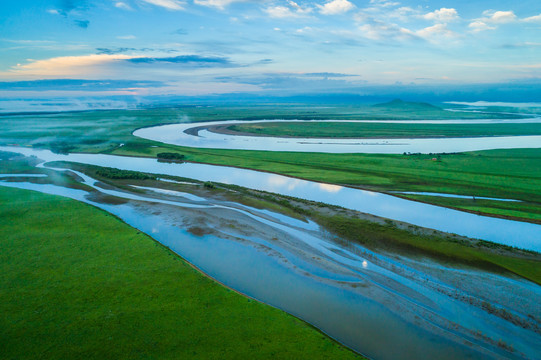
x,y
176,182
330,188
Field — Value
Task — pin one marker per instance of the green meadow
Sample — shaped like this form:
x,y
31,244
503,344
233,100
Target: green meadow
x,y
385,130
77,283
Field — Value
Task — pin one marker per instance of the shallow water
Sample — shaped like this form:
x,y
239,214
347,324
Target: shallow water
x,y
508,232
361,300
176,134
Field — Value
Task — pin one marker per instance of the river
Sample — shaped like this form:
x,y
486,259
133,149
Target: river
x,y
513,233
384,307
197,135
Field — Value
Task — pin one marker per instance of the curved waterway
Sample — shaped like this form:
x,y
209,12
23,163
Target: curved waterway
x,y
513,233
198,135
384,307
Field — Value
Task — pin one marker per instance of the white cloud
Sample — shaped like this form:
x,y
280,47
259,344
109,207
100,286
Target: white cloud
x,y
403,13
65,66
122,5
280,12
477,26
499,17
378,30
298,8
304,30
443,15
384,3
291,11
127,37
436,33
536,18
219,4
167,4
53,12
335,7
491,19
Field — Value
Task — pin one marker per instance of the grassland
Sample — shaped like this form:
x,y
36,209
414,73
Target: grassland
x,y
94,288
97,131
381,130
512,174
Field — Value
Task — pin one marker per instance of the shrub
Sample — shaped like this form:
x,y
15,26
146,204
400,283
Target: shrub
x,y
170,156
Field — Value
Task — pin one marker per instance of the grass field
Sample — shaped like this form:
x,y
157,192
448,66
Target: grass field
x,y
375,130
95,288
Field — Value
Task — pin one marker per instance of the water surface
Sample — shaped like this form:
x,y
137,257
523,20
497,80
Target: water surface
x,y
180,134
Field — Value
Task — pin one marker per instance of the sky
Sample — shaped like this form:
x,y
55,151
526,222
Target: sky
x,y
202,47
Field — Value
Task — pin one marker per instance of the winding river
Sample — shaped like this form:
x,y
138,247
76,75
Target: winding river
x,y
198,135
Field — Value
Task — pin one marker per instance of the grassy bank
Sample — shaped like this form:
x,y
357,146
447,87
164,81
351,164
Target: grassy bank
x,y
507,174
381,130
449,249
92,287
519,210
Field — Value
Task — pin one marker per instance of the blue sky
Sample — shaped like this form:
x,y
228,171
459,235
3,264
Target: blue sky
x,y
200,47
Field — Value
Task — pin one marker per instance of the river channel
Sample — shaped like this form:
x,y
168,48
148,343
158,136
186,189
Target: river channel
x,y
198,135
513,233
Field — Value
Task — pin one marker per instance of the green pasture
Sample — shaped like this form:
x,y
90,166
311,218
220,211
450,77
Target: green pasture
x,y
385,130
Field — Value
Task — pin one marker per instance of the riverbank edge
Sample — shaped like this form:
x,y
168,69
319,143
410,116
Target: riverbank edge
x,y
172,147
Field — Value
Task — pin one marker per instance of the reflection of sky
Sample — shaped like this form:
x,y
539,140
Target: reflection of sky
x,y
276,182
330,188
508,232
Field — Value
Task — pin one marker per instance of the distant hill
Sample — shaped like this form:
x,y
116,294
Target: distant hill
x,y
398,104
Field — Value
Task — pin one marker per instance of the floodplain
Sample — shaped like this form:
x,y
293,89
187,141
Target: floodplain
x,y
333,251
